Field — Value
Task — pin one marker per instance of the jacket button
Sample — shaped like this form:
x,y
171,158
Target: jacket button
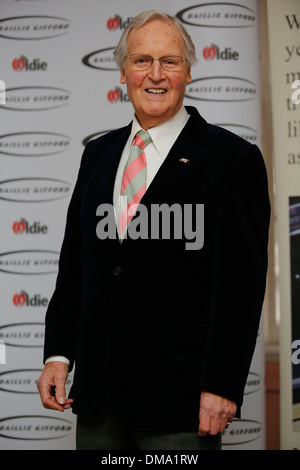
x,y
117,271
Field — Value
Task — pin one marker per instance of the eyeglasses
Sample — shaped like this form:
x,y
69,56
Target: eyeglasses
x,y
170,63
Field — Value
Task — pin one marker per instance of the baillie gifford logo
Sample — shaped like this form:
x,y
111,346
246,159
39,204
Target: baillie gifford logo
x,y
116,23
23,226
33,27
21,63
214,52
218,15
35,428
117,95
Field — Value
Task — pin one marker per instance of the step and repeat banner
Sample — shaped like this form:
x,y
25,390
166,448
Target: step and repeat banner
x,y
60,88
284,39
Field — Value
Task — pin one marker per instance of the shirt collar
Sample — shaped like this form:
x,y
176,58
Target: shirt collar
x,y
163,135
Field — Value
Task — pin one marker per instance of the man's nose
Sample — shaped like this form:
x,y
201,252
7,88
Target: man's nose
x,y
156,71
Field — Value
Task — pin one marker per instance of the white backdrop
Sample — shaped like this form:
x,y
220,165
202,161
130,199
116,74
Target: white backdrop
x,y
62,88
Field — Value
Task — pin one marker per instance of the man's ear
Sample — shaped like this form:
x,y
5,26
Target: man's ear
x,y
123,78
189,77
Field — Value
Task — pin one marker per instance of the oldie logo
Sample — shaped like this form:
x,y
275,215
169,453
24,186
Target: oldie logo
x,y
117,95
25,335
36,98
24,299
31,262
34,189
116,23
221,89
101,60
33,144
33,27
23,226
22,63
218,15
215,52
35,427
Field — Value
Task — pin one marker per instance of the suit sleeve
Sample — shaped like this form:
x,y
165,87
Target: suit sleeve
x,y
65,304
239,276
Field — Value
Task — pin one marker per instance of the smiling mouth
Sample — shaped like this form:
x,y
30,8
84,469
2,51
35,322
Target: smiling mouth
x,y
156,91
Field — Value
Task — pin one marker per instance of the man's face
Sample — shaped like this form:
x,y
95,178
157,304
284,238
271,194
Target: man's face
x,y
155,107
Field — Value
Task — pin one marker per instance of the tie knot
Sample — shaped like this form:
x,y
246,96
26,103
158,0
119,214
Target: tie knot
x,y
142,139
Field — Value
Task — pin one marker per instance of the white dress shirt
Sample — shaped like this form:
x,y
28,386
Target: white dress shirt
x,y
163,138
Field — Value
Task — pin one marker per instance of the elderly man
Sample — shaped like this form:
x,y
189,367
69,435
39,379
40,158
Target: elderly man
x,y
161,330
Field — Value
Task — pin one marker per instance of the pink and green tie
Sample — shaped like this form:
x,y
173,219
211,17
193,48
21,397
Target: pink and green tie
x,y
134,180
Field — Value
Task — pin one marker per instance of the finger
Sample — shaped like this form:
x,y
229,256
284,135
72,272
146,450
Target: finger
x,y
59,380
47,393
215,426
60,393
228,422
52,404
49,400
68,403
204,426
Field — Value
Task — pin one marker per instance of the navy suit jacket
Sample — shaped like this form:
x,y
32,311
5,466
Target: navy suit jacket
x,y
148,323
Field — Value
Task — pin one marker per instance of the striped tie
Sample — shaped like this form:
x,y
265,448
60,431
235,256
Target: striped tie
x,y
134,180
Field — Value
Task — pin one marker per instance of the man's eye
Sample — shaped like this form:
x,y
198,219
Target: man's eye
x,y
141,60
171,62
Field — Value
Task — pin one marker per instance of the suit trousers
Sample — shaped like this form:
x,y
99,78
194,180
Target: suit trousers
x,y
108,432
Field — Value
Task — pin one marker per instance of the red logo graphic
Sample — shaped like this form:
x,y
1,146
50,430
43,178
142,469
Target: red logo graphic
x,y
19,299
117,23
209,52
23,298
22,226
113,95
116,95
113,23
22,63
214,51
19,64
19,226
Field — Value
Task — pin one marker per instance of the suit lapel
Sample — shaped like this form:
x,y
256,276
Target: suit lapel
x,y
186,152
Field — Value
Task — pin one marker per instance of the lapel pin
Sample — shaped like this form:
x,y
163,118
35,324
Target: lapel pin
x,y
184,160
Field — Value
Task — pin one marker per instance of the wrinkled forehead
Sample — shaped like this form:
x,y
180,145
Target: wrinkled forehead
x,y
156,34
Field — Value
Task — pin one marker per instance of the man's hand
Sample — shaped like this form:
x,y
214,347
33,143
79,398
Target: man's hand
x,y
51,386
215,413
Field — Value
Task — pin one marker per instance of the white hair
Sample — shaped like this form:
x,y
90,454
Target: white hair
x,y
120,51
